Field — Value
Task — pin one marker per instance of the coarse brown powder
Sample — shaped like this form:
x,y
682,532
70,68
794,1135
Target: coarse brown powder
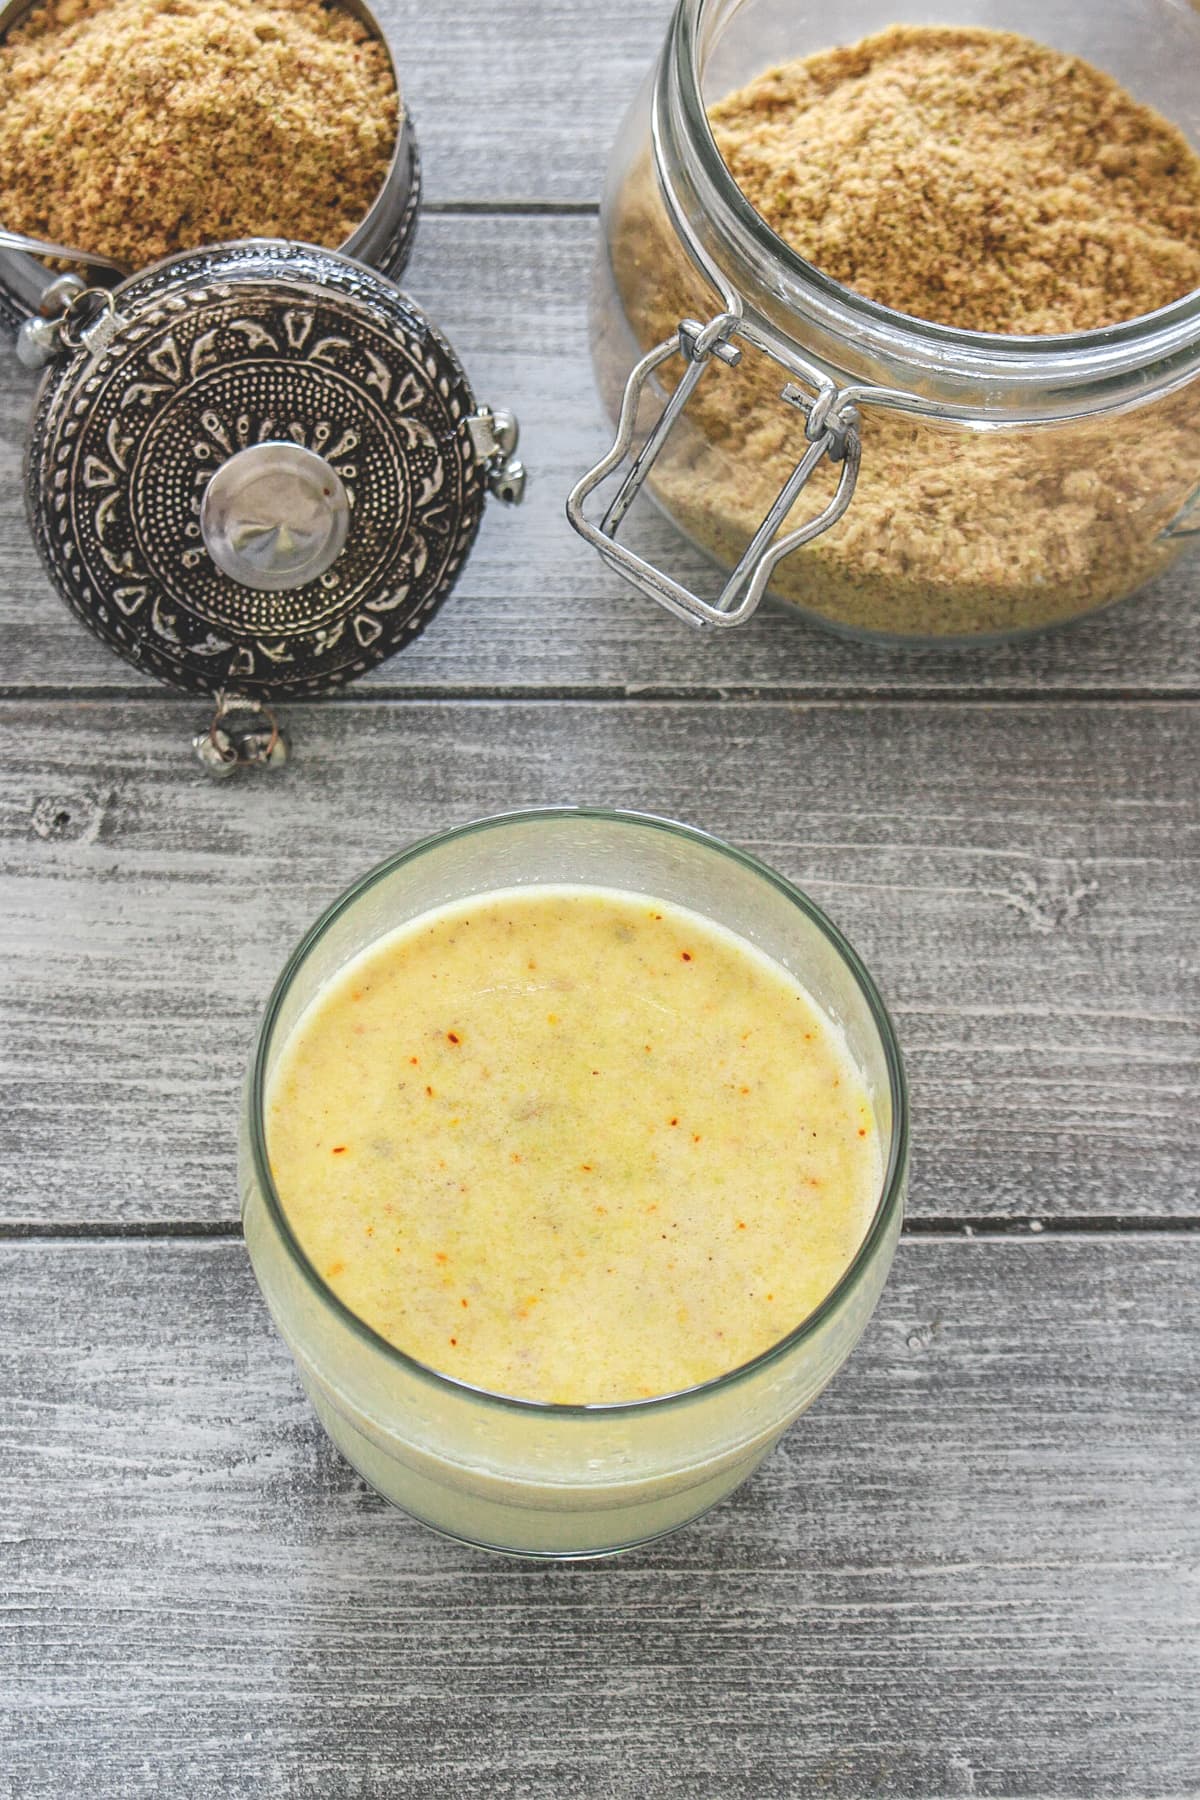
x,y
952,531
137,128
973,178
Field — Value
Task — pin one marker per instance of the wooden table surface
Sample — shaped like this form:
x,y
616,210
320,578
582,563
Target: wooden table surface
x,y
973,1568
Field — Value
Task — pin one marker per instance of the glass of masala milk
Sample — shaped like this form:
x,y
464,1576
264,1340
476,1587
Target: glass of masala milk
x,y
573,1160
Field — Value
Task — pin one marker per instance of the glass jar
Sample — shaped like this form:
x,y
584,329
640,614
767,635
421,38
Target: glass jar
x,y
527,1477
888,476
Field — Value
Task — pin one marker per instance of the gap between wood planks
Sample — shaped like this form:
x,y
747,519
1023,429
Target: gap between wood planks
x,y
599,693
526,209
229,1230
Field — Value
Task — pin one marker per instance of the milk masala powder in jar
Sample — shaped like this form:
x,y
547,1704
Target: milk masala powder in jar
x,y
968,475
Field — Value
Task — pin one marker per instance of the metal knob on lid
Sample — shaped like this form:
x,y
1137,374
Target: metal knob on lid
x,y
274,516
258,469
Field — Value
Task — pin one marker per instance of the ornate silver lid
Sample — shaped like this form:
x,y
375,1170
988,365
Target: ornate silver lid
x,y
257,468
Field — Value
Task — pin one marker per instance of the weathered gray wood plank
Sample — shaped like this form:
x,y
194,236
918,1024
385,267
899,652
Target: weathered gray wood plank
x,y
520,102
1022,880
535,608
971,1569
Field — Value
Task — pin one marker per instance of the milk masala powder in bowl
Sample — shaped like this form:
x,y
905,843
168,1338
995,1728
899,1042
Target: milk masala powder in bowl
x,y
139,128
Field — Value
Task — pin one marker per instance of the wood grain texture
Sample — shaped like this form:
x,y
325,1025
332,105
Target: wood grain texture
x,y
1022,881
535,608
970,1570
522,100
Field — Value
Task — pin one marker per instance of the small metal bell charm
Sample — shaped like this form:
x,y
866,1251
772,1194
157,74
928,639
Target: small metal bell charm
x,y
38,342
243,733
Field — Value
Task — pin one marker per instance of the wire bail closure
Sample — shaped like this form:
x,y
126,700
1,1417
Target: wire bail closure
x,y
831,428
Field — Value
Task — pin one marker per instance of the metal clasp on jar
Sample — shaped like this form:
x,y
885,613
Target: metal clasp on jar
x,y
1186,522
830,428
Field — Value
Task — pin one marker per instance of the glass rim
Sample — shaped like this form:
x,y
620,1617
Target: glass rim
x,y
891,1185
1167,333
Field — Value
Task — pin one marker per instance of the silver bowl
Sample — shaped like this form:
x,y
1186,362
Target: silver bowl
x,y
382,241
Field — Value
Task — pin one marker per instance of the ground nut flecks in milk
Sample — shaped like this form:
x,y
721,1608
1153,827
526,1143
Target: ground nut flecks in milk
x,y
573,1144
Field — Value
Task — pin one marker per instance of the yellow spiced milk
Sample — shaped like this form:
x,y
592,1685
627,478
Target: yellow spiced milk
x,y
572,1144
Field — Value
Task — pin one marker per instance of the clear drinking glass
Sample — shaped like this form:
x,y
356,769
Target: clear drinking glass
x,y
1006,483
528,1477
